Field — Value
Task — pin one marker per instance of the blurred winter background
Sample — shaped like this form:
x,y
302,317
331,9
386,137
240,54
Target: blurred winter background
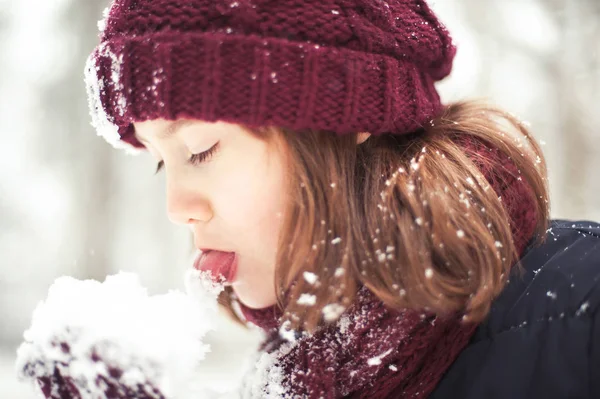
x,y
70,205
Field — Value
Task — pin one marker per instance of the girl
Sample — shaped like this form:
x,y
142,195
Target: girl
x,y
390,246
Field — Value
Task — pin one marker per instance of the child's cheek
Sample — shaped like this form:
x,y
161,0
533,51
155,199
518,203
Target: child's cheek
x,y
246,195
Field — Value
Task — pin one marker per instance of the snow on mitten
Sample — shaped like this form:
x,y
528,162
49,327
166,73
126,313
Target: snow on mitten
x,y
111,340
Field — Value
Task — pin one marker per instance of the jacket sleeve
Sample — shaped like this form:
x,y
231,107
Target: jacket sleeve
x,y
542,337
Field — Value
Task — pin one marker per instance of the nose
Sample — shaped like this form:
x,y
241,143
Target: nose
x,y
186,205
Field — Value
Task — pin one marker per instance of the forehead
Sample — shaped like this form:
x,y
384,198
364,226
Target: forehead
x,y
160,128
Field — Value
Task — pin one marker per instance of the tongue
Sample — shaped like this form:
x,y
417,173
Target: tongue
x,y
218,263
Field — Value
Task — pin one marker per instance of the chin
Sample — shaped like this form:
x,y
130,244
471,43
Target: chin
x,y
254,302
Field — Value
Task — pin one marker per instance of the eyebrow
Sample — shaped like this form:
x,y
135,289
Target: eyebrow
x,y
173,128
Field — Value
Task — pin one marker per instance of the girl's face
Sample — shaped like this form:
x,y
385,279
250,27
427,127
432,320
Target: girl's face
x,y
227,185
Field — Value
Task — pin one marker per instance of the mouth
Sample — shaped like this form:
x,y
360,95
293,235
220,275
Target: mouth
x,y
222,266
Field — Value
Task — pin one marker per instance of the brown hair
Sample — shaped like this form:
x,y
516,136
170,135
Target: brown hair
x,y
411,217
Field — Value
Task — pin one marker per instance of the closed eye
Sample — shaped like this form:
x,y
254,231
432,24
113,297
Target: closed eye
x,y
195,159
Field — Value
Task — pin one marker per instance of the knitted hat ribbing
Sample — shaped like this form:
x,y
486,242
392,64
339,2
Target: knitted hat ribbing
x,y
336,65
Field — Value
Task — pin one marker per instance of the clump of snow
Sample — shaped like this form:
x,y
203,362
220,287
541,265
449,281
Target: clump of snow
x,y
551,294
310,278
344,323
85,330
332,311
583,308
414,165
104,125
307,299
102,22
336,240
460,233
202,286
286,332
265,379
376,361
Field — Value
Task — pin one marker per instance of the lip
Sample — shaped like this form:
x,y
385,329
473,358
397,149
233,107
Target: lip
x,y
221,265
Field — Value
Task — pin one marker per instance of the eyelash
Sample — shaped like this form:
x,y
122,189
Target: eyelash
x,y
195,159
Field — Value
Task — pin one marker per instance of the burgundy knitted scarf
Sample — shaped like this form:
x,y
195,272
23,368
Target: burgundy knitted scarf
x,y
372,351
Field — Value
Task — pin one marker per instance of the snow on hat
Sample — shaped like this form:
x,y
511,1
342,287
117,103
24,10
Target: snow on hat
x,y
337,65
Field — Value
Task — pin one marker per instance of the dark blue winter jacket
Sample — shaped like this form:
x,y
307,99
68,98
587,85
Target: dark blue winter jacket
x,y
542,337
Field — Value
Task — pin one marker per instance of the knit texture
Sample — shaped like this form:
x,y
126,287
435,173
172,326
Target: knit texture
x,y
337,65
374,352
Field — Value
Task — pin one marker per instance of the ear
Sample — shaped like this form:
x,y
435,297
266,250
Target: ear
x,y
362,137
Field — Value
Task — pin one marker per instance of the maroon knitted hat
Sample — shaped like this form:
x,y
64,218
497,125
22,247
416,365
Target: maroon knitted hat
x,y
336,65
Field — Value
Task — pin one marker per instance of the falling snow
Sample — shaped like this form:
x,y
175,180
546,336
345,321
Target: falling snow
x,y
429,272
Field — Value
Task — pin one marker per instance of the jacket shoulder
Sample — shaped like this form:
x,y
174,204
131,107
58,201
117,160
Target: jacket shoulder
x,y
542,336
558,279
